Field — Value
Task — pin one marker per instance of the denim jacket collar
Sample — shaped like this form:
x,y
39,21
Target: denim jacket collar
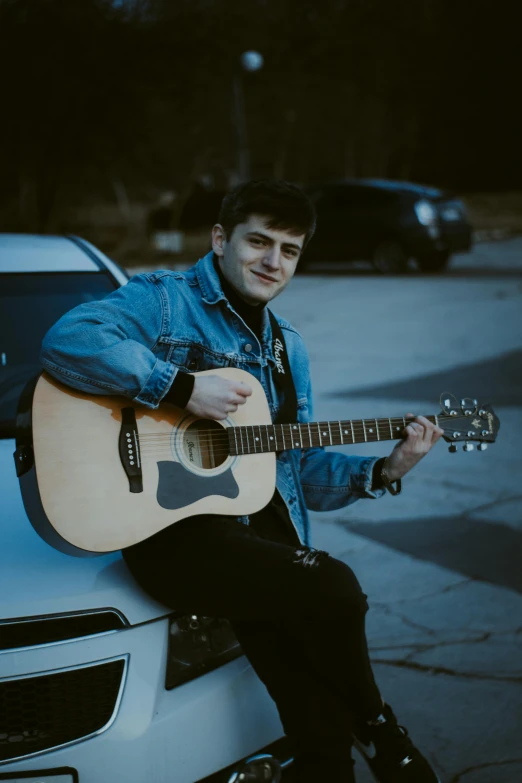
x,y
208,280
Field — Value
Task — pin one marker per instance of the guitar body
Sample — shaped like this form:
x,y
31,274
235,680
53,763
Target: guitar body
x,y
109,473
95,505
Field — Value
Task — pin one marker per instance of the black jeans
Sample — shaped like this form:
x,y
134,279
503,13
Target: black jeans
x,y
298,614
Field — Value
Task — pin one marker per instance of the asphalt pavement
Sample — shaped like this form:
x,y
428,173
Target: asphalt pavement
x,y
442,562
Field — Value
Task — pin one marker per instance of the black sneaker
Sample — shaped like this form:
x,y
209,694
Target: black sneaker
x,y
390,753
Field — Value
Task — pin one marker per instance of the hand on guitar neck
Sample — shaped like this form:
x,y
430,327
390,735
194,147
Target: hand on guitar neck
x,y
214,397
419,437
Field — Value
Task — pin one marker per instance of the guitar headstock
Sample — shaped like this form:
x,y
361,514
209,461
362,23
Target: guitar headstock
x,y
466,420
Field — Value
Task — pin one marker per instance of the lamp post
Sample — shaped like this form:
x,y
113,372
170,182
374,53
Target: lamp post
x,y
250,61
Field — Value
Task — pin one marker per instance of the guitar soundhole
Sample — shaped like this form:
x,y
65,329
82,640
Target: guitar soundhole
x,y
205,443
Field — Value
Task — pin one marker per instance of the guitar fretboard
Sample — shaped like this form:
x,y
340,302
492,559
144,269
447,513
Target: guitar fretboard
x,y
257,438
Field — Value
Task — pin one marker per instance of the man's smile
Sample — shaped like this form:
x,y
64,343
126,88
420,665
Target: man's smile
x,y
265,277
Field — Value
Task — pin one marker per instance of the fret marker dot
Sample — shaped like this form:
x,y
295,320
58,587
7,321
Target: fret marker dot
x,y
346,432
257,438
271,438
295,427
324,433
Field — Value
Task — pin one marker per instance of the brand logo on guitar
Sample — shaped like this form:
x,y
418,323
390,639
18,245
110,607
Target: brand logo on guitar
x,y
278,347
190,446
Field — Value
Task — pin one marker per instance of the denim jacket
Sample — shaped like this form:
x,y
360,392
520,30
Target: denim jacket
x,y
134,341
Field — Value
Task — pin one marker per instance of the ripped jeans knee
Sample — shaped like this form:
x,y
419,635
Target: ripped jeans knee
x,y
334,583
307,557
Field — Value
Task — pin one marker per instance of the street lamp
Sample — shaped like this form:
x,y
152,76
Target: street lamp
x,y
250,61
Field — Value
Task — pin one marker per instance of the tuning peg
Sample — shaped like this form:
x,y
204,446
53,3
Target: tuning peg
x,y
468,447
482,446
452,448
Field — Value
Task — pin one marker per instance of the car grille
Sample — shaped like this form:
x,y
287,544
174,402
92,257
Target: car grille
x,y
42,712
27,632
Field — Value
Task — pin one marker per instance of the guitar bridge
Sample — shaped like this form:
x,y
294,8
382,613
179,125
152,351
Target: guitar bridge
x,y
129,448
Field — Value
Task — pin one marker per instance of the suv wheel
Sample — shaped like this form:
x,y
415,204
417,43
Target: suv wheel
x,y
434,263
390,258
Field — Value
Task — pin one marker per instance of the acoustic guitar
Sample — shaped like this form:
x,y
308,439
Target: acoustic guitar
x,y
111,473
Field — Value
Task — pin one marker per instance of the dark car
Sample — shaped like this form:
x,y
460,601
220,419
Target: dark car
x,y
387,223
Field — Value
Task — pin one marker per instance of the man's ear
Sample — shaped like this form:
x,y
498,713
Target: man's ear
x,y
218,240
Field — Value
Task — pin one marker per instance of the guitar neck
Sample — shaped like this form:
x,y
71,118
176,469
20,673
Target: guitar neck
x,y
257,438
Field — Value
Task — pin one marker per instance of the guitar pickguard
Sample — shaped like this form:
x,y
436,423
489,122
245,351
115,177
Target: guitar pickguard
x,y
179,487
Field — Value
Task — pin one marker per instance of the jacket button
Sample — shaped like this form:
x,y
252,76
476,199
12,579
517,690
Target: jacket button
x,y
248,347
192,365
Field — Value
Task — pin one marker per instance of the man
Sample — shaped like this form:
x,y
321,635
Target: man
x,y
297,612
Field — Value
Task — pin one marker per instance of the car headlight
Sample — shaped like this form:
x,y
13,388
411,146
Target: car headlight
x,y
196,646
426,212
453,210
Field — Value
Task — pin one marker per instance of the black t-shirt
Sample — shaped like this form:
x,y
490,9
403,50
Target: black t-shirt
x,y
252,315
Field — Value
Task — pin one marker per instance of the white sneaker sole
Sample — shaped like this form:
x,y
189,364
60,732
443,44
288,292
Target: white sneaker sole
x,y
361,748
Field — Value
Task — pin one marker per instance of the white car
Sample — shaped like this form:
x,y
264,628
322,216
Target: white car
x,y
99,682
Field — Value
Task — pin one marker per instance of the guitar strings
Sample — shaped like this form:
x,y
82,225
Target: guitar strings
x,y
357,427
241,433
314,440
218,443
219,440
221,446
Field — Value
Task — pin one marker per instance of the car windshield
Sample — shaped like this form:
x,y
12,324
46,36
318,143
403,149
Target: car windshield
x,y
29,305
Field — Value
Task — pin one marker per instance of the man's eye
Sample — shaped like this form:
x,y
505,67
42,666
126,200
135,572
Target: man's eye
x,y
256,241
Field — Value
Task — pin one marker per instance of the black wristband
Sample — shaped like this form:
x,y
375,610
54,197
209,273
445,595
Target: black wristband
x,y
377,482
181,390
388,483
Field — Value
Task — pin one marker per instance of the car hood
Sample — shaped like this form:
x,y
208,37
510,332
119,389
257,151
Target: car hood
x,y
36,579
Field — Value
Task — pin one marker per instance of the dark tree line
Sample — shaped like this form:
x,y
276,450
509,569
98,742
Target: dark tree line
x,y
105,100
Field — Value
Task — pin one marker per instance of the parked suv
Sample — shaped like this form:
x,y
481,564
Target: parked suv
x,y
99,682
387,223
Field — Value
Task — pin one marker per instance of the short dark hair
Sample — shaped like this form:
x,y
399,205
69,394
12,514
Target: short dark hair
x,y
284,205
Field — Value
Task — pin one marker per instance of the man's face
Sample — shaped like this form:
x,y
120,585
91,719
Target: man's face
x,y
257,261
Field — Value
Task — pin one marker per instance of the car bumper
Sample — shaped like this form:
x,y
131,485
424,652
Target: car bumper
x,y
451,238
186,734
